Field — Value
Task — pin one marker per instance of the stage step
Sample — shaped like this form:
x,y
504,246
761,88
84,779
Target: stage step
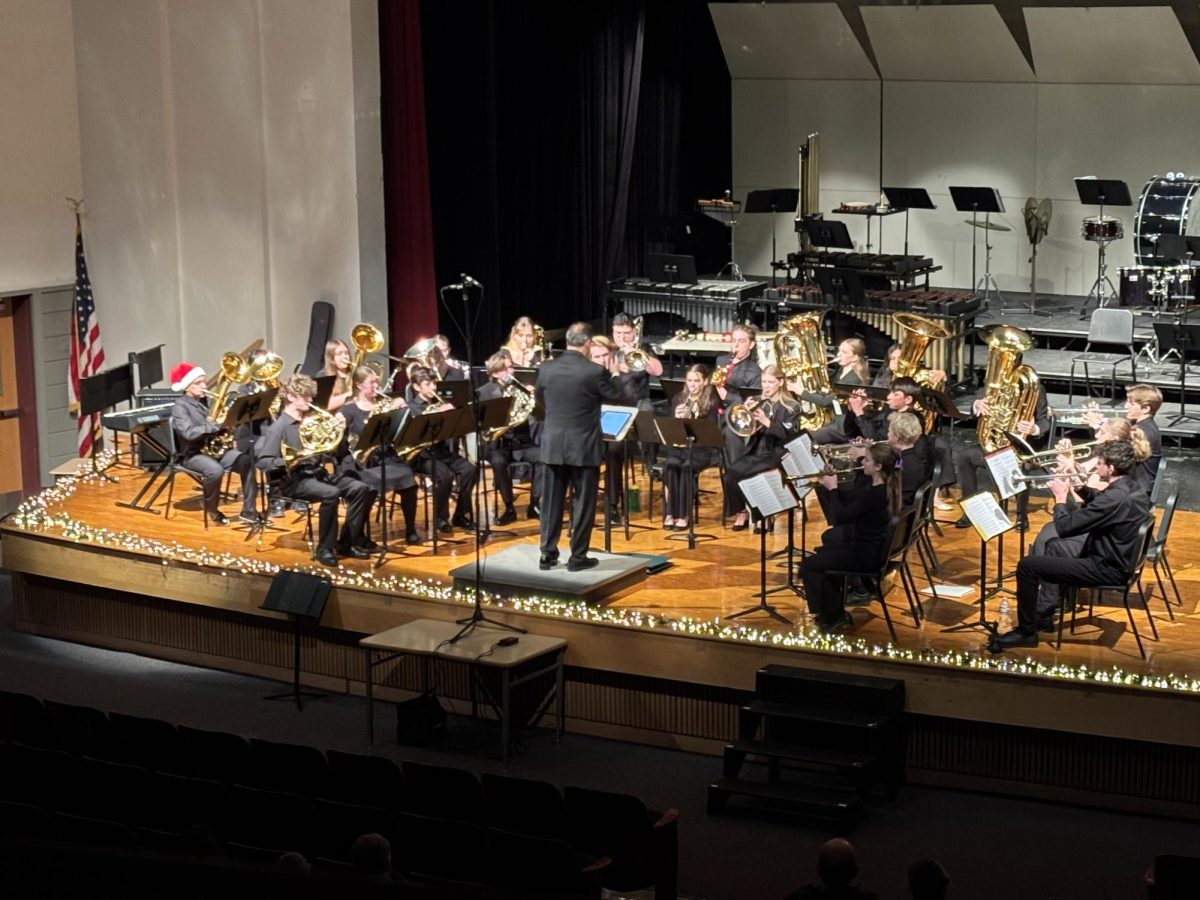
x,y
841,807
852,765
757,710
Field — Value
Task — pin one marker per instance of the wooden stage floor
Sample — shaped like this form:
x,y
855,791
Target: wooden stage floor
x,y
696,593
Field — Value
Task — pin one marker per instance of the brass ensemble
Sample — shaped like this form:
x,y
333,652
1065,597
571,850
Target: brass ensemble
x,y
918,332
800,353
740,416
320,432
1010,389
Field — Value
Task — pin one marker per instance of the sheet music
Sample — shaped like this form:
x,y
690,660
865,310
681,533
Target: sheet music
x,y
799,461
986,515
767,493
1004,466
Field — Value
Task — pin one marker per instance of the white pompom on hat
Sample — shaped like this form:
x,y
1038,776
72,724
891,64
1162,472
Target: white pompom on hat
x,y
184,374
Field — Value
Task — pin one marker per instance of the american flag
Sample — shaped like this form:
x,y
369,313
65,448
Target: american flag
x,y
87,353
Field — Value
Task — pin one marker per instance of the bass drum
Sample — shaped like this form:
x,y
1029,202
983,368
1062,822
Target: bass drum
x,y
1166,206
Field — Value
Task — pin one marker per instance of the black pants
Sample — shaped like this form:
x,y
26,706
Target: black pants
x,y
358,499
584,480
1048,543
677,487
823,591
972,471
211,472
501,457
1033,570
445,469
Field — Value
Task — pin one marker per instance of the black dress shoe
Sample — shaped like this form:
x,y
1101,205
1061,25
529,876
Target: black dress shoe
x,y
327,558
250,518
1022,524
219,518
1014,638
547,561
507,517
532,511
366,543
466,523
578,565
964,522
445,527
614,516
740,526
412,537
841,623
356,552
860,597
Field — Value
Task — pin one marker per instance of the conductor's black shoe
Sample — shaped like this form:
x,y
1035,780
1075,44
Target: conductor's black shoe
x,y
326,558
578,565
366,543
547,561
445,527
1014,638
964,522
356,552
219,518
532,511
508,516
412,537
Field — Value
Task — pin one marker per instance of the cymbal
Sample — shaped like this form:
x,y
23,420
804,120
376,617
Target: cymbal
x,y
990,226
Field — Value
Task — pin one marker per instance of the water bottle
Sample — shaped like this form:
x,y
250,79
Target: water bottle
x,y
1004,623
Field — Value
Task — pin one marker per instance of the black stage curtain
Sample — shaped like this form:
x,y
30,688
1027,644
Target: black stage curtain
x,y
559,134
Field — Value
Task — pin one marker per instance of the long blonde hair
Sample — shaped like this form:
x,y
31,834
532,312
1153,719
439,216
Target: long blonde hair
x,y
785,396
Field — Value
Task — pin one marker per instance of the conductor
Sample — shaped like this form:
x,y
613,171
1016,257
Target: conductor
x,y
570,390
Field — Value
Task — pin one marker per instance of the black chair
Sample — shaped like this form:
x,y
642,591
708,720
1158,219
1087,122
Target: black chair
x,y
342,823
113,790
524,805
1159,477
430,846
1173,877
216,755
544,866
81,729
184,802
925,520
288,767
1157,554
891,558
91,831
25,820
50,778
1136,563
24,719
145,742
374,780
261,818
444,792
643,845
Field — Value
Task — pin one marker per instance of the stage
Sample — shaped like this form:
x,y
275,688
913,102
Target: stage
x,y
658,662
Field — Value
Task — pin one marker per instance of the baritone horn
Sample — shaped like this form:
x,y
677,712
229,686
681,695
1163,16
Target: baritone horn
x,y
636,359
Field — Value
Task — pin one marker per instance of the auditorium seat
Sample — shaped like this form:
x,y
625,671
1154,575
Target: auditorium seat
x,y
375,780
147,742
25,820
342,823
270,819
524,806
540,865
185,801
24,719
215,754
441,848
81,729
643,846
288,767
444,792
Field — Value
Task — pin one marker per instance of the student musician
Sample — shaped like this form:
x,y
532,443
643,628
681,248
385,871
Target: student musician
x,y
765,446
337,363
736,376
521,344
1142,402
309,480
872,424
603,352
624,335
517,444
448,368
858,518
851,370
193,428
442,462
698,400
365,402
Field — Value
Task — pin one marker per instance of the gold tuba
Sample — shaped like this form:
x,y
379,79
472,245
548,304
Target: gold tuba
x,y
366,339
320,432
918,332
1010,389
800,353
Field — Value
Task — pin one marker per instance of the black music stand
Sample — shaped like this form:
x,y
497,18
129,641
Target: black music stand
x,y
763,605
102,392
826,233
378,432
325,385
245,410
302,598
689,434
491,414
976,200
671,268
907,198
1101,192
774,201
985,593
434,428
1182,339
149,365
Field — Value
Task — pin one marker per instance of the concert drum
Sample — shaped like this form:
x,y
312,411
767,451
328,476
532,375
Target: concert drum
x,y
1166,206
1163,286
1135,285
1102,229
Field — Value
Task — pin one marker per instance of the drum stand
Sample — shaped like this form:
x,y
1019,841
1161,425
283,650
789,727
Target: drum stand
x,y
1102,288
1102,192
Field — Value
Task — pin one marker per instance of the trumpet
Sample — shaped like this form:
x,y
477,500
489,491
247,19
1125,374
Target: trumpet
x,y
1022,478
1079,452
829,470
1075,414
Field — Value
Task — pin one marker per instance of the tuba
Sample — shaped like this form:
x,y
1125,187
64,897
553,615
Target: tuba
x,y
918,332
1010,389
366,339
800,353
320,432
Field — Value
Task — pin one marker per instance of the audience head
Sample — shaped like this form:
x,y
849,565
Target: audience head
x,y
927,880
293,863
371,855
837,863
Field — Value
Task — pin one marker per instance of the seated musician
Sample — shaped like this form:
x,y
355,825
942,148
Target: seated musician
x,y
309,480
1049,542
442,462
521,344
365,402
872,424
1142,402
248,434
624,335
858,518
765,447
193,430
517,444
851,371
971,468
698,400
736,376
914,455
603,352
337,363
1110,519
448,368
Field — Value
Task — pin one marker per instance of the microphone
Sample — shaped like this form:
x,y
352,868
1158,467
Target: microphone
x,y
468,281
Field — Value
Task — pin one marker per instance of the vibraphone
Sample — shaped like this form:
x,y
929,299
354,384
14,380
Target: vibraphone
x,y
713,306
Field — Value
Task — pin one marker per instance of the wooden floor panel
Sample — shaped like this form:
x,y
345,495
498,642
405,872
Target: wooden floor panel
x,y
720,576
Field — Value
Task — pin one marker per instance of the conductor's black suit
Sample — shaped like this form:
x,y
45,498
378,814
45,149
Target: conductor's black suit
x,y
570,390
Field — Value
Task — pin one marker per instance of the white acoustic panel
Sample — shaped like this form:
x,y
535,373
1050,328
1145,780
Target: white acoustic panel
x,y
1110,45
789,40
944,43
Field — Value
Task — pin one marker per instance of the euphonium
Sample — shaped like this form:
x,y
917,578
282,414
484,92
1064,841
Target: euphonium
x,y
519,412
383,405
1010,389
234,370
800,353
918,332
740,417
366,339
320,432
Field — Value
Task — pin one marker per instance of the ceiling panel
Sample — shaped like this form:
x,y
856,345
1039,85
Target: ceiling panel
x,y
944,43
789,40
1110,45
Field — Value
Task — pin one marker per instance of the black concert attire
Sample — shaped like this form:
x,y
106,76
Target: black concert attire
x,y
444,465
1109,521
517,445
835,431
570,390
635,391
309,480
764,450
677,499
400,476
970,466
743,380
1148,471
858,521
190,422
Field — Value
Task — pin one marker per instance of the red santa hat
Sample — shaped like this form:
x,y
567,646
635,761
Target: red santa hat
x,y
184,374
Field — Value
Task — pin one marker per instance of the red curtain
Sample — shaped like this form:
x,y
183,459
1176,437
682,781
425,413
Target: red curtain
x,y
412,285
